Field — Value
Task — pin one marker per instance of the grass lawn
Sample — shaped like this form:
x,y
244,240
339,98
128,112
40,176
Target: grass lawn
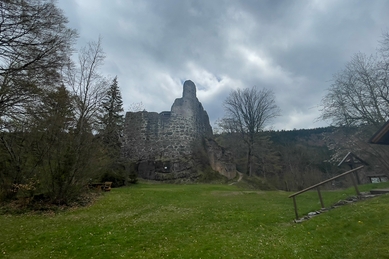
x,y
202,221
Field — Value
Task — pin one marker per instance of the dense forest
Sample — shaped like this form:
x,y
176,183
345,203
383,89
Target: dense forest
x,y
295,159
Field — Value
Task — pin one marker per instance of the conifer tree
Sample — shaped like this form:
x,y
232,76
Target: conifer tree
x,y
111,119
111,122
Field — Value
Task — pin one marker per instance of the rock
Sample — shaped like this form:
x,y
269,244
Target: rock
x,y
220,160
340,203
313,213
369,196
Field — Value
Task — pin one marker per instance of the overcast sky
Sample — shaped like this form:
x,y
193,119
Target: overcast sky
x,y
290,47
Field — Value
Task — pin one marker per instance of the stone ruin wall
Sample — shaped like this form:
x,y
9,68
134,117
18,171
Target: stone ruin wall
x,y
150,135
168,137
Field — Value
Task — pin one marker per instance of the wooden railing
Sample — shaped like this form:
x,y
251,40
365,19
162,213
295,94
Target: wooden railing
x,y
324,182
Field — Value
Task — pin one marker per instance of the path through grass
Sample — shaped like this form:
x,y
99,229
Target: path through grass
x,y
201,221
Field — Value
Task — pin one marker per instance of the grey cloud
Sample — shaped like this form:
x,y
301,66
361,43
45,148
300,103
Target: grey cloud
x,y
291,47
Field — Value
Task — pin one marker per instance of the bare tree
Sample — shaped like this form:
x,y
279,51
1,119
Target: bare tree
x,y
359,94
34,45
249,111
87,84
87,87
136,107
227,125
384,47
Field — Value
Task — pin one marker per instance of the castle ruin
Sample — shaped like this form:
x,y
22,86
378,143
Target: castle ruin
x,y
173,144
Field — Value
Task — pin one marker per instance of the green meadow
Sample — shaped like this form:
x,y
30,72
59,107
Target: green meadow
x,y
202,221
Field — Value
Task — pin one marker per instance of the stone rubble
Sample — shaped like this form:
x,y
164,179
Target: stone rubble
x,y
349,200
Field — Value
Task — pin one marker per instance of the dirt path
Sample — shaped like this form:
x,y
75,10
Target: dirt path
x,y
239,179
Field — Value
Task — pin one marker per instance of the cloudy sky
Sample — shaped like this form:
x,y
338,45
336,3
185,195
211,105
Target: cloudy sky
x,y
290,47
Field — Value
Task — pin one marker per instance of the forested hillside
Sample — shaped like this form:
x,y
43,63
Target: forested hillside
x,y
295,159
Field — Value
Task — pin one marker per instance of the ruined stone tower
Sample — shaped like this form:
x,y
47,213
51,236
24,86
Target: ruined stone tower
x,y
165,145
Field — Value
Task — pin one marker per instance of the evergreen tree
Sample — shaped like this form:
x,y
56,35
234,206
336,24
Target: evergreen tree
x,y
111,120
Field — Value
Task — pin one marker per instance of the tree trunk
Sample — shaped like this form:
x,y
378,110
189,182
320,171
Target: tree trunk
x,y
249,160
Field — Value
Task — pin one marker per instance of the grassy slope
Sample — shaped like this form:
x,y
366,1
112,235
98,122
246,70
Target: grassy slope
x,y
201,221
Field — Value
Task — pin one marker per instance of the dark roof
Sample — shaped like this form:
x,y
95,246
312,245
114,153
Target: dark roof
x,y
376,175
381,136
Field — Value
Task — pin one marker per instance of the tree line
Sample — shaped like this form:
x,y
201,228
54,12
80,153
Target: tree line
x,y
60,120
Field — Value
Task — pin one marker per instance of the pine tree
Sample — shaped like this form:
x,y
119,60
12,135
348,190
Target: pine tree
x,y
110,132
112,120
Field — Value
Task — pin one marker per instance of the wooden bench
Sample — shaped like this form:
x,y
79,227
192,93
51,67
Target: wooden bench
x,y
106,186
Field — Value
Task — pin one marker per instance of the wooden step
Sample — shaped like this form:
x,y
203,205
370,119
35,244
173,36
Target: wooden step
x,y
379,191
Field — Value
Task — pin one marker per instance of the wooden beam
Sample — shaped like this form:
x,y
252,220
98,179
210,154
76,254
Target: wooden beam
x,y
326,181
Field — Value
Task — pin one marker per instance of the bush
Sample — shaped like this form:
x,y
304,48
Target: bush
x,y
131,172
116,179
208,175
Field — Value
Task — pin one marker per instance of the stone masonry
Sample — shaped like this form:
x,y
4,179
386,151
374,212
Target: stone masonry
x,y
164,144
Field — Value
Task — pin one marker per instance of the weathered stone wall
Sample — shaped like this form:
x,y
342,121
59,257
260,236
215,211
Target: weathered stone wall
x,y
168,137
151,135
